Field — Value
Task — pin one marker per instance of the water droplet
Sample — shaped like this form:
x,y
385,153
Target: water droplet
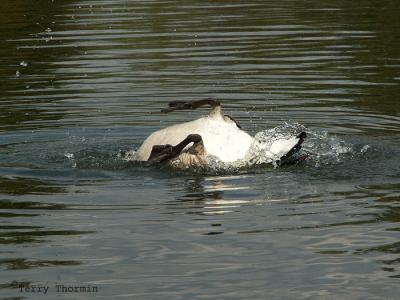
x,y
23,63
48,29
17,73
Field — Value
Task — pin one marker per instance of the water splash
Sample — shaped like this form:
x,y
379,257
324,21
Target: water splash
x,y
325,149
260,152
71,158
365,148
129,155
95,158
319,147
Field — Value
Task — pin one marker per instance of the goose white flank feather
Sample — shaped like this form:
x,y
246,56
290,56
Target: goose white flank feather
x,y
216,135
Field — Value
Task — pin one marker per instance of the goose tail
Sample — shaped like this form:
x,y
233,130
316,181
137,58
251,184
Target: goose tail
x,y
286,149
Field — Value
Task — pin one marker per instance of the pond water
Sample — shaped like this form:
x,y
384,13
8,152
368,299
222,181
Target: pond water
x,y
84,81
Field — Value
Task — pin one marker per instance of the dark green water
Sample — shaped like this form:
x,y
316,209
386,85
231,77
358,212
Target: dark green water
x,y
83,81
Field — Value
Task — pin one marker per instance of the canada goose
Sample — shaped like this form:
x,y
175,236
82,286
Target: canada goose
x,y
189,144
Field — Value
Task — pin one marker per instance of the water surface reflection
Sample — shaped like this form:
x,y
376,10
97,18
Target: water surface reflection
x,y
84,81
